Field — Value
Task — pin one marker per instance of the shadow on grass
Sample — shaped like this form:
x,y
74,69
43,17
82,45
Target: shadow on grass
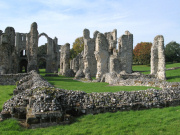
x,y
60,79
172,77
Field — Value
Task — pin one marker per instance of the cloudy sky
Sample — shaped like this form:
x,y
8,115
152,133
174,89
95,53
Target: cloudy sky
x,y
66,19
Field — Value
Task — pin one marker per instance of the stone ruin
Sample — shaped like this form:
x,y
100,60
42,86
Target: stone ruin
x,y
19,50
101,56
39,104
158,58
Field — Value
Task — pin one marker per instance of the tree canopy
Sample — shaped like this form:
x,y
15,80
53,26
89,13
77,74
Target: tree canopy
x,y
172,52
141,53
78,47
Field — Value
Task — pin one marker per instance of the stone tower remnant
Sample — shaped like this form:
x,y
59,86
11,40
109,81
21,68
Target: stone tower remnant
x,y
32,47
90,64
64,59
7,51
125,51
158,58
102,55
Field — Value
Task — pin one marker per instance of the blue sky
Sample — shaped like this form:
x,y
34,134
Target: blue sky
x,y
66,19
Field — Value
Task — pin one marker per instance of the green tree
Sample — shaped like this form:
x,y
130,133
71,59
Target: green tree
x,y
141,53
172,52
78,47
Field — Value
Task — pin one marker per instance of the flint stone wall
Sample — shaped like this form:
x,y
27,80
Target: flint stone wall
x,y
90,64
64,60
11,79
32,47
43,105
158,58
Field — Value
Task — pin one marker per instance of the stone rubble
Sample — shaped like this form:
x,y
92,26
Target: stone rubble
x,y
41,105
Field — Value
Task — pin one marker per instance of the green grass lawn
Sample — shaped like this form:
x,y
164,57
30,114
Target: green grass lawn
x,y
144,122
70,84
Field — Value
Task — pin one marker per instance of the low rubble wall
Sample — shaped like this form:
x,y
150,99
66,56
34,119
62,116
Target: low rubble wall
x,y
40,104
11,79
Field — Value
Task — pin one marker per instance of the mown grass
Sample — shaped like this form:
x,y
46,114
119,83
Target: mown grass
x,y
70,84
6,92
145,122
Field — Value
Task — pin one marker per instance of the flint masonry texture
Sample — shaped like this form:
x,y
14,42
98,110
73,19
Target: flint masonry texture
x,y
158,58
102,55
64,59
125,51
32,47
7,51
40,104
90,64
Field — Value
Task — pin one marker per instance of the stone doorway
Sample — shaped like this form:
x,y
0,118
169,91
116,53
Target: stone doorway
x,y
23,66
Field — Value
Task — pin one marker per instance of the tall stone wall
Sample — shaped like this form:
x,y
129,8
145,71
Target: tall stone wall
x,y
32,47
158,58
112,40
102,55
1,32
7,52
64,59
125,50
90,64
20,42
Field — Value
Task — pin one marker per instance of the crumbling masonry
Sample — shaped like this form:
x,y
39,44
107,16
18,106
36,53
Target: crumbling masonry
x,y
100,55
158,58
19,50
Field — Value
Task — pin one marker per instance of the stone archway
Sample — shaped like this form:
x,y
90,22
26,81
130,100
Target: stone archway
x,y
51,55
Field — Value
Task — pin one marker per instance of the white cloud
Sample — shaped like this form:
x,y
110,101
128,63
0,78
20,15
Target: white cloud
x,y
66,19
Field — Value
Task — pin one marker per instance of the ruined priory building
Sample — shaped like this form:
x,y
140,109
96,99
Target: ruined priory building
x,y
19,51
101,54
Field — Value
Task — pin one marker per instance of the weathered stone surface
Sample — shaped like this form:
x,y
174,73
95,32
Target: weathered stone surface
x,y
75,63
11,79
102,55
32,47
125,51
158,58
90,64
64,60
16,46
52,56
41,104
80,71
7,51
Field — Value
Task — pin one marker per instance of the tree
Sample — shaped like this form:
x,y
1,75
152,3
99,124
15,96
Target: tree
x,y
172,52
141,53
78,47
